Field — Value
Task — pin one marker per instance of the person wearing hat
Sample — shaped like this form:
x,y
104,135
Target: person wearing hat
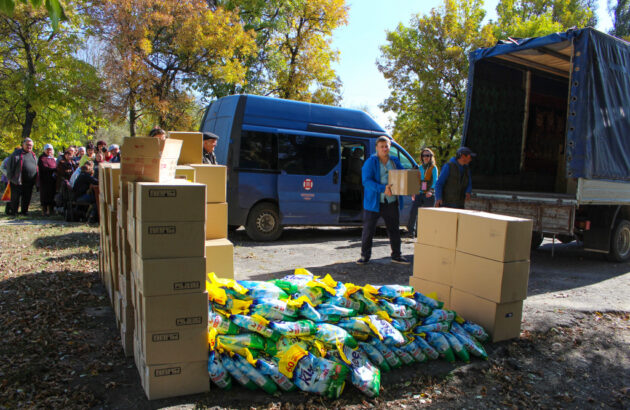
x,y
454,185
209,142
22,175
114,152
47,167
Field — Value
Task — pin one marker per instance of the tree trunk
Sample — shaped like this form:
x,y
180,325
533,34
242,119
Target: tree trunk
x,y
29,118
132,121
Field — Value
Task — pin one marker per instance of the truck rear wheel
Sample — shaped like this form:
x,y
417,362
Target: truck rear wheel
x,y
620,242
263,222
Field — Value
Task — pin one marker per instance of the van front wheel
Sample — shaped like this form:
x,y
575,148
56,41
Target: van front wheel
x,y
263,222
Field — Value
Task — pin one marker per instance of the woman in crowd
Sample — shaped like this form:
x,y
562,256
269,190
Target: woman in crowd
x,y
65,168
425,198
47,166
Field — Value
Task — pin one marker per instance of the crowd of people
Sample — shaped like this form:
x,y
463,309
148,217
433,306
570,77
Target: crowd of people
x,y
75,170
24,170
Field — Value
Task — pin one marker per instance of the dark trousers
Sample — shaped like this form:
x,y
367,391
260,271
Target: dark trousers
x,y
420,201
23,192
390,214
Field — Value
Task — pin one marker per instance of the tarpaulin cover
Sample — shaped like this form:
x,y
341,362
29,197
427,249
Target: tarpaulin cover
x,y
598,123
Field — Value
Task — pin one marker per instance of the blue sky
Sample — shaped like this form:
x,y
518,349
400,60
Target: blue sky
x,y
363,85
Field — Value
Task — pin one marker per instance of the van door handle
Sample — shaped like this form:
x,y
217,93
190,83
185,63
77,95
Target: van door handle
x,y
335,177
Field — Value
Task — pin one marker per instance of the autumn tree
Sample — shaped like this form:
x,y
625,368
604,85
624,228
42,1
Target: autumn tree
x,y
621,19
294,56
426,66
158,49
535,18
46,93
54,8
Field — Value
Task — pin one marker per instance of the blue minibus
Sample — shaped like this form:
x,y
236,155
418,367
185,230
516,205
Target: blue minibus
x,y
293,163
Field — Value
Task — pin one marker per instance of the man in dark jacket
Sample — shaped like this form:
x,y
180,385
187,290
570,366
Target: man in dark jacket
x,y
454,185
22,174
209,142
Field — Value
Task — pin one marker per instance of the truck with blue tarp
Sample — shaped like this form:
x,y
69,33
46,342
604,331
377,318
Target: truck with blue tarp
x,y
549,120
293,163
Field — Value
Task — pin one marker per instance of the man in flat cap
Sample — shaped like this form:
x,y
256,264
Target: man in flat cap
x,y
209,142
454,185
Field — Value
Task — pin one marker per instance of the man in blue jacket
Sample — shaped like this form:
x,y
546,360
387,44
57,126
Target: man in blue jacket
x,y
454,185
378,201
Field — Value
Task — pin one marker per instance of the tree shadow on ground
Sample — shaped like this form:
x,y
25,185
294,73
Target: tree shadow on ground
x,y
69,240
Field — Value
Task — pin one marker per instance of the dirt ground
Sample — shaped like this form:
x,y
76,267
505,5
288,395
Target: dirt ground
x,y
61,347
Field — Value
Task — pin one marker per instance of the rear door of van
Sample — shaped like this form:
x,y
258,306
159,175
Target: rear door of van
x,y
309,179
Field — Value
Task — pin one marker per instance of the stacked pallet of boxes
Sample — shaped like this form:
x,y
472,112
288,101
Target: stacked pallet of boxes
x,y
166,228
219,250
108,196
477,263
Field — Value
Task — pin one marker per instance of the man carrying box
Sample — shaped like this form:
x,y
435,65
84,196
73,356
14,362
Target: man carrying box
x,y
378,201
454,185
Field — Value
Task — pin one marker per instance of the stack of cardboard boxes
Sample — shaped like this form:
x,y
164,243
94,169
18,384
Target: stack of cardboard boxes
x,y
158,221
219,250
171,302
477,263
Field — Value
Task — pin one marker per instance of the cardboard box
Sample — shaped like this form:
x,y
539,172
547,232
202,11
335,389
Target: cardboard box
x,y
185,172
426,286
214,176
170,239
126,338
185,311
499,237
113,183
174,379
192,146
404,181
131,230
433,263
173,201
499,282
131,197
157,277
216,220
104,169
175,345
149,159
501,320
220,258
438,227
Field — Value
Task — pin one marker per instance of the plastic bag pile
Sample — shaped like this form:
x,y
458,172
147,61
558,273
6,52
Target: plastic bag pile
x,y
310,333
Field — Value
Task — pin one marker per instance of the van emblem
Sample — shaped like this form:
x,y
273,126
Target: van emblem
x,y
308,184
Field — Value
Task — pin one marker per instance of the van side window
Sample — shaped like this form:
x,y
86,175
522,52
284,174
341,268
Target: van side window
x,y
404,161
258,151
302,155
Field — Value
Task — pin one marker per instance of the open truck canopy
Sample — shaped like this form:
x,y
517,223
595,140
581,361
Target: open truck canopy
x,y
596,67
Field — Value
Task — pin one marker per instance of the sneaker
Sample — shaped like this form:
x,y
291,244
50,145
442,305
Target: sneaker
x,y
362,261
401,260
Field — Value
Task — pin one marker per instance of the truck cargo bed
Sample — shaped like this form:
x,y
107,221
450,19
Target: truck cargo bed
x,y
551,213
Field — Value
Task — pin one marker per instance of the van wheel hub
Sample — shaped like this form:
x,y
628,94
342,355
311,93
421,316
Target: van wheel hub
x,y
266,222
